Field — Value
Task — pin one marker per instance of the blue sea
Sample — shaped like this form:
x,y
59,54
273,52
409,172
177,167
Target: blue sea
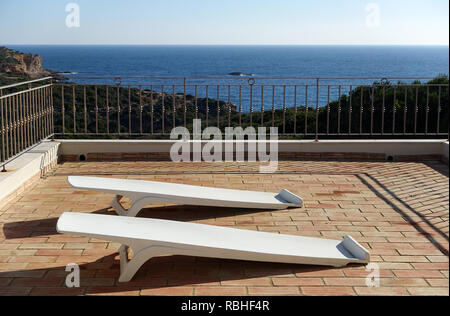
x,y
255,61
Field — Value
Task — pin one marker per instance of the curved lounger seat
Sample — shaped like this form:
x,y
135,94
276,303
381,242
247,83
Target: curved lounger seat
x,y
151,237
143,193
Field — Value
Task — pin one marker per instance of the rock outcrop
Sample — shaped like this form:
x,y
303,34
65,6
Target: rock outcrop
x,y
18,64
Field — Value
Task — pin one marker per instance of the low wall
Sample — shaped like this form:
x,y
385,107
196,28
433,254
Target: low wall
x,y
399,150
26,169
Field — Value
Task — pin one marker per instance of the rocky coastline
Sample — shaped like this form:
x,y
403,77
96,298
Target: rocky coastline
x,y
17,64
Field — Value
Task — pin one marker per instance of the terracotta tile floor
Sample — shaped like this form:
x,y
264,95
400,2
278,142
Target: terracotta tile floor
x,y
397,210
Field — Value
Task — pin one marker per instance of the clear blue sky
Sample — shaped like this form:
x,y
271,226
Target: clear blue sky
x,y
293,22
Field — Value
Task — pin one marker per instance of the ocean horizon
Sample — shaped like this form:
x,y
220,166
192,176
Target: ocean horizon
x,y
256,60
80,63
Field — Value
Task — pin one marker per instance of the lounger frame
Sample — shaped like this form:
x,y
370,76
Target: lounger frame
x,y
146,251
148,238
141,199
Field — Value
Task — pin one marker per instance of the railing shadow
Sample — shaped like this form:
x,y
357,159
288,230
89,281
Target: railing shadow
x,y
388,196
439,167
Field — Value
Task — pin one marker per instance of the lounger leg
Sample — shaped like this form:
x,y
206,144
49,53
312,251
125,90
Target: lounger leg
x,y
128,268
135,208
115,204
133,211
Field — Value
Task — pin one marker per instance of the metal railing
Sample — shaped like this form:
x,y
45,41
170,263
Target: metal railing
x,y
300,107
149,107
26,117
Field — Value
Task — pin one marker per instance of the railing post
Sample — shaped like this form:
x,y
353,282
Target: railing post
x,y
63,111
74,110
107,109
152,110
141,111
174,107
273,106
229,106
251,83
85,110
118,107
240,105
383,109
306,109
218,106
427,113
405,110
350,110
2,130
372,109
52,110
339,111
295,110
96,110
438,129
14,125
162,109
328,110
196,102
317,110
130,130
184,103
361,111
394,110
207,105
284,110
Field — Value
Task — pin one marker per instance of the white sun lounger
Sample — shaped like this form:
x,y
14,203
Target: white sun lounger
x,y
151,237
143,193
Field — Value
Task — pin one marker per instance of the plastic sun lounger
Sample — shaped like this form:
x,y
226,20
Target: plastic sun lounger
x,y
143,193
151,237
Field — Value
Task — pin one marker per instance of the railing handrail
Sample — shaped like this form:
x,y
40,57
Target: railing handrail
x,y
24,91
126,85
255,77
24,83
233,80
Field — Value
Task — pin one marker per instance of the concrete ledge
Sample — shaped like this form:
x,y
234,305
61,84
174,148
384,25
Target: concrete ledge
x,y
26,169
401,150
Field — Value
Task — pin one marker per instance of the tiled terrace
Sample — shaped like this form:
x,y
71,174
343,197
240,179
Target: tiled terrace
x,y
397,210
